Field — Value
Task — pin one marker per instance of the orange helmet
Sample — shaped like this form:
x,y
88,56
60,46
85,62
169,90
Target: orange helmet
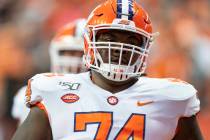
x,y
124,15
66,49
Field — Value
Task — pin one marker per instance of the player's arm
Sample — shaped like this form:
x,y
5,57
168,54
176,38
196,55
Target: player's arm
x,y
188,129
35,127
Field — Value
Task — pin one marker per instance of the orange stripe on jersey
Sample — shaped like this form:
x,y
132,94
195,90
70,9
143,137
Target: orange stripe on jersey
x,y
53,74
42,107
176,80
28,91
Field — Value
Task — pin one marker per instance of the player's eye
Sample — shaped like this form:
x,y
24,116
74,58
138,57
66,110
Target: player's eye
x,y
133,41
106,37
137,41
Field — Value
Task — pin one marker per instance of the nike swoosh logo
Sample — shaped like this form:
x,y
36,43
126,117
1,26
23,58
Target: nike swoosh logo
x,y
139,103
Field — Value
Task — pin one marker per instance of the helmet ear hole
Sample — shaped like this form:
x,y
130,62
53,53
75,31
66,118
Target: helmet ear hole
x,y
100,14
147,21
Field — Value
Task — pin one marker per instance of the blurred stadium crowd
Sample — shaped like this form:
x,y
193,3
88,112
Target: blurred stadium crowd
x,y
27,26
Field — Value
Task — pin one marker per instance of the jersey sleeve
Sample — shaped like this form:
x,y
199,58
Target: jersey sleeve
x,y
41,90
40,87
33,94
183,95
192,106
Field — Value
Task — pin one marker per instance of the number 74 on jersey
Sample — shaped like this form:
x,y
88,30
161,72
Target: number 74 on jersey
x,y
133,128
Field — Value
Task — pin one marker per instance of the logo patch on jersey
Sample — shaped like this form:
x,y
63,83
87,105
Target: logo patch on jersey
x,y
69,85
112,100
143,103
70,98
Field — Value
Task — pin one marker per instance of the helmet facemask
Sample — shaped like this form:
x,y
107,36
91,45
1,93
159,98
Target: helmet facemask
x,y
131,61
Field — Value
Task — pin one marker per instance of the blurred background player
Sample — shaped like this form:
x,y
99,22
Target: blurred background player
x,y
66,46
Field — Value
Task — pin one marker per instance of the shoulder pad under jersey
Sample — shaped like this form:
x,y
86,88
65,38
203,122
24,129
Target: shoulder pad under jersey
x,y
168,88
176,89
41,85
46,81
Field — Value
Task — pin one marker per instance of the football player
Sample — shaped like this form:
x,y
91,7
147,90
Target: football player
x,y
67,45
112,101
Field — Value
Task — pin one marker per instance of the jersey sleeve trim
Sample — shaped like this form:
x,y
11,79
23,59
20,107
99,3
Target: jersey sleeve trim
x,y
42,107
28,96
28,92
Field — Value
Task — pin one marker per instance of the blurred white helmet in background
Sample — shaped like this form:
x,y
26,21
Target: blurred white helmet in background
x,y
66,49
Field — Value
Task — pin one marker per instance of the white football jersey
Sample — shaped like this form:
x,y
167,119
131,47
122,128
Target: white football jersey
x,y
80,110
19,109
